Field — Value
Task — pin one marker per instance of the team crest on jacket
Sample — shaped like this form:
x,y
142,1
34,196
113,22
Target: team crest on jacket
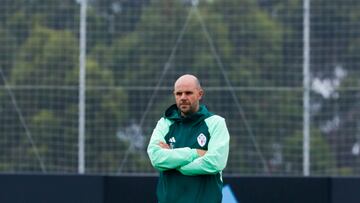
x,y
201,139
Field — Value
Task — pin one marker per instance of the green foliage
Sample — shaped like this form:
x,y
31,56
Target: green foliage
x,y
258,45
47,55
8,7
54,14
49,58
322,159
19,26
129,44
7,50
42,127
106,112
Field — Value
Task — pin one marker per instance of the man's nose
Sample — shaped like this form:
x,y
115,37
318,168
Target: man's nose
x,y
183,96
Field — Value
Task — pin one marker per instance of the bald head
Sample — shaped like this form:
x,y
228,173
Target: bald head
x,y
189,80
187,92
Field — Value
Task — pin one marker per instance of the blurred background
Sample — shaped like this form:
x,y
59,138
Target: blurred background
x,y
83,83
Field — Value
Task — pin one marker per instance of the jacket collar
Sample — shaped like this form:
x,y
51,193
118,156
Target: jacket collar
x,y
173,113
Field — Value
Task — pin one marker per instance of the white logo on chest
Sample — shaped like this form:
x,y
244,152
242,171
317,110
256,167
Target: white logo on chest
x,y
172,142
201,139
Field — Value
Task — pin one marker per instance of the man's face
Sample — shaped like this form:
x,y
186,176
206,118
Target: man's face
x,y
187,97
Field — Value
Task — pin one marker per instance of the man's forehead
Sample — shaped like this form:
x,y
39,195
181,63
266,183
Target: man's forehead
x,y
185,87
186,83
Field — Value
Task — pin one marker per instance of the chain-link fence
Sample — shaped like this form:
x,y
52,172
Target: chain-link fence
x,y
83,83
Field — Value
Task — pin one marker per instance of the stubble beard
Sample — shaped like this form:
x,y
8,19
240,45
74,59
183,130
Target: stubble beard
x,y
186,109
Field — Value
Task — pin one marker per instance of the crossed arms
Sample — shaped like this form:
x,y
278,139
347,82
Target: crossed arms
x,y
186,160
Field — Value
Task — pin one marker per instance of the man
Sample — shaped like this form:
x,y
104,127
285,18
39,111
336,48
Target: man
x,y
190,147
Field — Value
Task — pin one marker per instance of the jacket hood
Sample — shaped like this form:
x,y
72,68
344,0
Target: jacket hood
x,y
173,113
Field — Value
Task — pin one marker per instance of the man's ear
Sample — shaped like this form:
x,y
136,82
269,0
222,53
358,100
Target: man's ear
x,y
201,94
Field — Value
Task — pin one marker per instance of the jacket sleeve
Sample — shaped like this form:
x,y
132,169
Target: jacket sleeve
x,y
165,159
215,158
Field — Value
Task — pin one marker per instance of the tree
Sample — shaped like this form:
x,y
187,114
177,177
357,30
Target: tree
x,y
259,39
335,59
117,17
7,50
106,111
322,160
47,65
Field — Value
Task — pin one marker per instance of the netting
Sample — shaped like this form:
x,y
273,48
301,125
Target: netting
x,y
248,55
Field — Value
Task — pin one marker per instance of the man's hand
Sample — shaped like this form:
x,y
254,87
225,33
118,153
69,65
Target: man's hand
x,y
201,152
164,145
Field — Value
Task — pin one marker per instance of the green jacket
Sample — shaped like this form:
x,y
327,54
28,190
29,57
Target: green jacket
x,y
184,176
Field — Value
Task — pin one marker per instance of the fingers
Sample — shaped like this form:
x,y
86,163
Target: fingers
x,y
164,145
201,152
